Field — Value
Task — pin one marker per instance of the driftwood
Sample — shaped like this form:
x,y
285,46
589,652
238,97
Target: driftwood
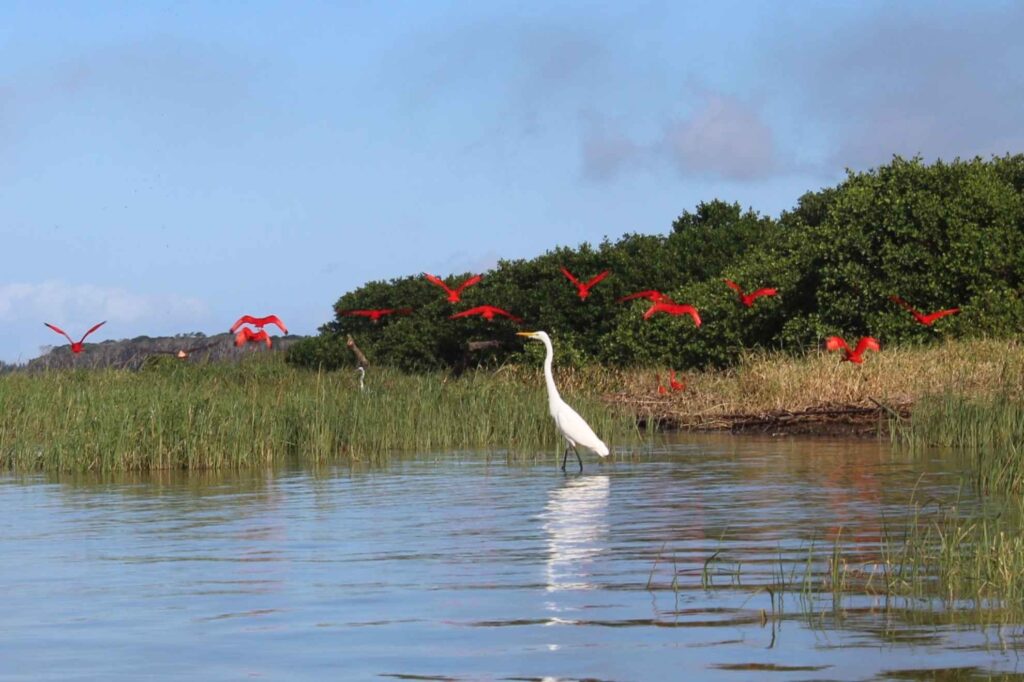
x,y
361,360
483,345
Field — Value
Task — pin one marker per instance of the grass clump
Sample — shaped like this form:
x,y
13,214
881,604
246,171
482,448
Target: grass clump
x,y
261,411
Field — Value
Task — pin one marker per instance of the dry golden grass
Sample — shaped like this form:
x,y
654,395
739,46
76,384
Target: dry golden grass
x,y
766,385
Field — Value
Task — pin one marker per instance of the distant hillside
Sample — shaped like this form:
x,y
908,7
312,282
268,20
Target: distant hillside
x,y
132,353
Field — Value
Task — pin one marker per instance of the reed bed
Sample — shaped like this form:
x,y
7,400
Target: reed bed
x,y
259,412
768,383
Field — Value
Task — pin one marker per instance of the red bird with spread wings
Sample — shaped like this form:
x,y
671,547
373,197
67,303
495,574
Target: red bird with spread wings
x,y
375,314
927,320
487,312
76,346
583,288
651,295
246,335
454,295
671,308
855,355
259,322
748,299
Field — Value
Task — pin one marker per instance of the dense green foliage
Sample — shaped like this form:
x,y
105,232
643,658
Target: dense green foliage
x,y
941,235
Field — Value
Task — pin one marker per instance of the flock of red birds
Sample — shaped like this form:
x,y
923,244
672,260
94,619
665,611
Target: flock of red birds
x,y
243,334
660,303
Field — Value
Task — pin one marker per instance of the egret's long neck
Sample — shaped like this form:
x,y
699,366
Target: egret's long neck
x,y
549,378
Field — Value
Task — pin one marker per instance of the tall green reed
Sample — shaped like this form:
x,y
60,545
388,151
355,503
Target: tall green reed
x,y
179,416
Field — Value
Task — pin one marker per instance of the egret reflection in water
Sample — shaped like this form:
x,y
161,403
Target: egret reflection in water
x,y
576,529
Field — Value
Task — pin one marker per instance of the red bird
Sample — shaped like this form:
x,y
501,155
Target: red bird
x,y
583,289
453,294
927,320
76,346
673,309
246,335
650,294
676,385
748,299
376,314
259,322
856,355
661,389
487,312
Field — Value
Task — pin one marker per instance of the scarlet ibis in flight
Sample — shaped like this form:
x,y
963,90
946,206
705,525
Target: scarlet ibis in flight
x,y
650,294
855,355
246,335
583,288
259,322
673,309
455,294
927,320
748,299
375,314
76,346
487,312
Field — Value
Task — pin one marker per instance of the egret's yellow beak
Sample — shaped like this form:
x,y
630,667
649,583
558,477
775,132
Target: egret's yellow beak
x,y
525,333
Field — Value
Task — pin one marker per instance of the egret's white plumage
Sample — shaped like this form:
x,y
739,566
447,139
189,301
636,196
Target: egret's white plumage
x,y
570,424
362,373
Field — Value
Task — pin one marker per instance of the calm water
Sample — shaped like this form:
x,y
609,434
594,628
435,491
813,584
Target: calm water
x,y
453,567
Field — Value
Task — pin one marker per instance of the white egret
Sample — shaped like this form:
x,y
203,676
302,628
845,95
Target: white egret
x,y
362,373
570,424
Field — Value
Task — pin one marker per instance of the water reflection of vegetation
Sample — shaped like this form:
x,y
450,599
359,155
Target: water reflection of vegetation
x,y
263,412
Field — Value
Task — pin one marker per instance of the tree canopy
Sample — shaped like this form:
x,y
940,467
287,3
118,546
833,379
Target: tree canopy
x,y
939,235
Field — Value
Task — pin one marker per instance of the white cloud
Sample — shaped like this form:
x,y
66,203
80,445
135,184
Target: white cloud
x,y
724,138
61,303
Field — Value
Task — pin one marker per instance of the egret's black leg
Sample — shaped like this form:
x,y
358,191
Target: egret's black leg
x,y
565,456
578,458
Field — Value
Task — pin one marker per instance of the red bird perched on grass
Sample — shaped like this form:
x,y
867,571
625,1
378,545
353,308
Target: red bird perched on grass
x,y
650,294
583,288
246,335
375,314
487,312
748,299
76,346
676,385
259,322
856,355
927,320
671,308
455,294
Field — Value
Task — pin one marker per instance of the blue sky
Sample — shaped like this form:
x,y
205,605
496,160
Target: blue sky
x,y
171,166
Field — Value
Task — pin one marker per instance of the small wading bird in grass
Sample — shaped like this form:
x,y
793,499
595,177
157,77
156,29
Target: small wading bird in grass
x,y
570,424
76,346
675,385
259,322
487,312
454,295
583,288
246,335
362,373
650,294
673,309
927,320
375,314
855,355
748,299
